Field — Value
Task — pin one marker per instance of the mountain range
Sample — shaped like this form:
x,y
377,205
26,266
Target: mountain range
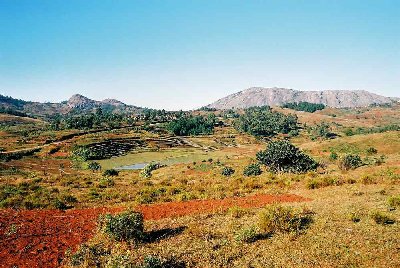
x,y
255,96
258,96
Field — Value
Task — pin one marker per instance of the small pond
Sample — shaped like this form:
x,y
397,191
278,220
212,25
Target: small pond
x,y
132,167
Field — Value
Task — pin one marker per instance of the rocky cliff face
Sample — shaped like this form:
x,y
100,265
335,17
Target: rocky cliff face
x,y
257,96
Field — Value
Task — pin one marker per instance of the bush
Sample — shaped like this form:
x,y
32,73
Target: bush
x,y
394,201
146,172
110,172
92,255
382,218
127,226
350,161
277,218
323,182
94,166
371,150
227,171
282,156
333,156
247,235
252,170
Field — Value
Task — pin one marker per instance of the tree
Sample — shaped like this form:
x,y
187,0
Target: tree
x,y
282,156
192,125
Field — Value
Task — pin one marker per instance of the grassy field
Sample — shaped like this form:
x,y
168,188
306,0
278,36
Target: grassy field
x,y
345,205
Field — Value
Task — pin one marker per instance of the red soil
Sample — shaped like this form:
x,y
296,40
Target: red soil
x,y
39,238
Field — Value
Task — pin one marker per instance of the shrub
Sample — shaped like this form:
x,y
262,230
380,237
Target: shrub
x,y
252,170
94,166
127,226
110,172
277,218
146,172
371,150
236,212
394,201
350,161
316,183
247,235
282,156
382,218
106,182
333,156
58,204
92,255
227,171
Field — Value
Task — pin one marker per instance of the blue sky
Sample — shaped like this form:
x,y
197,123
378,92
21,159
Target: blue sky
x,y
186,54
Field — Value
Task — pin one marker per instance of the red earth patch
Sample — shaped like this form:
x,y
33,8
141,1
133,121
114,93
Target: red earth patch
x,y
39,238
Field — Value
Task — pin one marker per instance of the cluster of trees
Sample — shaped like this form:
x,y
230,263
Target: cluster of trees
x,y
98,119
304,106
192,125
361,130
262,121
5,110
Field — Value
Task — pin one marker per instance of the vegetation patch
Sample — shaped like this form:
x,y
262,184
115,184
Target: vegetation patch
x,y
304,106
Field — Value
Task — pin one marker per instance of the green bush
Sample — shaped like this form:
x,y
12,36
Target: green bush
x,y
394,201
382,218
146,172
316,183
277,218
247,235
127,226
282,156
110,172
252,170
372,150
333,156
350,161
91,255
94,166
227,171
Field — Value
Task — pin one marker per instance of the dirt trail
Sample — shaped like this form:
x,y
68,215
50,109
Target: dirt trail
x,y
39,238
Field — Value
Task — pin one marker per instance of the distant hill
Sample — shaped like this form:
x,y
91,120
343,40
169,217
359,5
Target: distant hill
x,y
76,104
258,96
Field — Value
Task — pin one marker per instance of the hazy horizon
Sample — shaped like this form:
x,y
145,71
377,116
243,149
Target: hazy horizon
x,y
185,54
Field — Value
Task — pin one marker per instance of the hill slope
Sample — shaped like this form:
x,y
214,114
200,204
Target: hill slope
x,y
258,96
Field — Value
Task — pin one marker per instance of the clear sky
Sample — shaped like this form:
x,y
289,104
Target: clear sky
x,y
186,54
